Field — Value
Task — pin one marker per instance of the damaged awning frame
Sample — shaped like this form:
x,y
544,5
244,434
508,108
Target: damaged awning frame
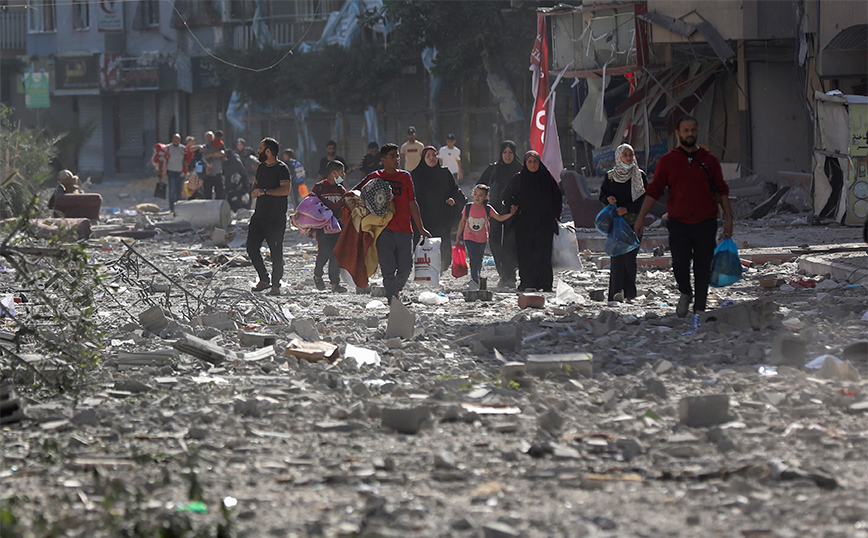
x,y
640,41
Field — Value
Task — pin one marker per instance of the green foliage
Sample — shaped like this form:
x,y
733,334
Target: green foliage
x,y
25,161
60,315
470,37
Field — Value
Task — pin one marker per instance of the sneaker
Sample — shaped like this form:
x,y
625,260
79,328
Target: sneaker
x,y
337,288
319,283
619,297
262,285
694,324
275,290
472,285
683,305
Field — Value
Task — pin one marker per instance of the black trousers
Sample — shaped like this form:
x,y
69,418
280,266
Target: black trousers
x,y
270,231
325,254
696,243
534,242
622,275
213,184
502,241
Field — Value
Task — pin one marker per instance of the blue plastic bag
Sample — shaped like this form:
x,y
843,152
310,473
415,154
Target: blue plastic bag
x,y
726,267
622,239
604,219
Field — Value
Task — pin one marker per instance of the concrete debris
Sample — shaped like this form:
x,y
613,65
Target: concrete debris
x,y
437,416
312,351
11,410
401,321
568,364
704,411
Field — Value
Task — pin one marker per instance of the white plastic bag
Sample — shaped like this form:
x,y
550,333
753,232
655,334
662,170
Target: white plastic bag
x,y
565,250
427,262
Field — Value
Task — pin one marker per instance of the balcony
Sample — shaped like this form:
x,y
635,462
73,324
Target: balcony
x,y
13,31
284,29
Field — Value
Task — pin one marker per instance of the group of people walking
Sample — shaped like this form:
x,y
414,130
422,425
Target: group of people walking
x,y
515,209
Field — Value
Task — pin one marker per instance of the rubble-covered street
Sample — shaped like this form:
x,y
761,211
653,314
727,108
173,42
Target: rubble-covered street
x,y
208,414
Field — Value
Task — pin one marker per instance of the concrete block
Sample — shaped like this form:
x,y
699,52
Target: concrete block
x,y
401,321
505,337
751,315
306,329
217,320
405,420
153,319
570,364
256,339
703,411
605,323
597,294
531,300
788,349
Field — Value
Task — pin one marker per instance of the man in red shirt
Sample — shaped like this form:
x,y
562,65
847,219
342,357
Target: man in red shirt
x,y
696,186
395,243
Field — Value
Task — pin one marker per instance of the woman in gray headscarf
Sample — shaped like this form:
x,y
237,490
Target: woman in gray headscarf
x,y
624,187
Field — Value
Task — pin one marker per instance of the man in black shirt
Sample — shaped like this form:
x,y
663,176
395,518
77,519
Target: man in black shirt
x,y
371,161
268,223
331,155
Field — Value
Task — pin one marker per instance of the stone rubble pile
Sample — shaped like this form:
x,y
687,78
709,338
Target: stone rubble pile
x,y
335,415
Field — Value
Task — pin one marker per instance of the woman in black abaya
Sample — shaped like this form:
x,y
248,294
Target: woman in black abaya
x,y
539,200
501,238
440,201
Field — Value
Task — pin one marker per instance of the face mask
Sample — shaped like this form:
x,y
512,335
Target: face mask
x,y
339,180
627,166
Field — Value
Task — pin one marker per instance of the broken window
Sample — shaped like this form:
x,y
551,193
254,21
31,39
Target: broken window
x,y
41,16
80,15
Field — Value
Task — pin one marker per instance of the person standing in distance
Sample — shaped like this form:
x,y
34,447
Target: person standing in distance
x,y
696,187
395,243
174,169
270,190
624,187
411,151
450,157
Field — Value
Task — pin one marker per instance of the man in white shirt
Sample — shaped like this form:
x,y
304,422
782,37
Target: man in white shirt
x,y
174,169
450,157
411,151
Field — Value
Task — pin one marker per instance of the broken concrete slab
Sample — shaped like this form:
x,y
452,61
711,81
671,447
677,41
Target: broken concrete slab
x,y
788,349
405,419
203,349
305,328
216,320
569,364
703,411
750,315
250,339
401,321
154,319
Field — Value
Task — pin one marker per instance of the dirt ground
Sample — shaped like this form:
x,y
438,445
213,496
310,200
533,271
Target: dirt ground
x,y
722,431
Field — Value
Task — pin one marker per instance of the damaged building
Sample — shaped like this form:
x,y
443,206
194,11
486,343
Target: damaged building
x,y
754,74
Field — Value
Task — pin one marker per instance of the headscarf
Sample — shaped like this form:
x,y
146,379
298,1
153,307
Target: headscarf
x,y
432,186
621,173
500,174
536,194
427,148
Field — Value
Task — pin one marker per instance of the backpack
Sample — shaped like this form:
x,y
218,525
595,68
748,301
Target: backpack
x,y
467,211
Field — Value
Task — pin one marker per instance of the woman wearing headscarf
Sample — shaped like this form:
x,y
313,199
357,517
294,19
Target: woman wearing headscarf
x,y
539,200
501,237
624,187
440,201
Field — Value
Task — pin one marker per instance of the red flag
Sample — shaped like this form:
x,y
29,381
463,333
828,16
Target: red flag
x,y
539,64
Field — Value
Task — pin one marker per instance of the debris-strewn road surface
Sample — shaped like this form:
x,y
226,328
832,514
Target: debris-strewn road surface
x,y
483,423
